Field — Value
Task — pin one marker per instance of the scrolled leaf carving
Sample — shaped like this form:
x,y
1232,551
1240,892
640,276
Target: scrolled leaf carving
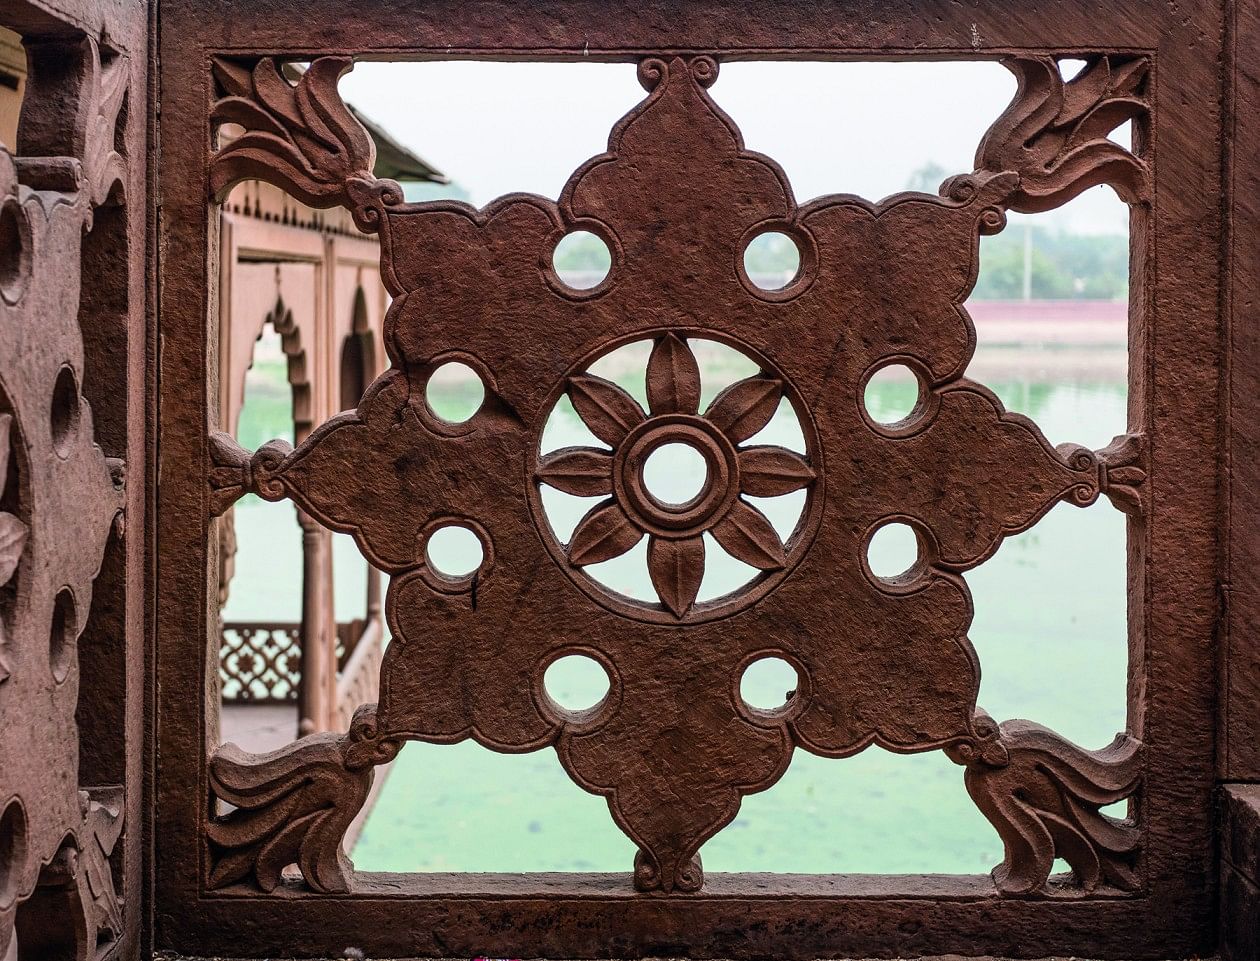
x,y
299,136
13,537
293,806
236,472
1043,794
103,165
102,826
1124,472
1054,133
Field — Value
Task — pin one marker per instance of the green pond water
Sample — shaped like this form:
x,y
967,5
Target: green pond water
x,y
1049,627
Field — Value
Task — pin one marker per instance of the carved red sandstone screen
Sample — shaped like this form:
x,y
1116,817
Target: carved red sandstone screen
x,y
881,661
73,250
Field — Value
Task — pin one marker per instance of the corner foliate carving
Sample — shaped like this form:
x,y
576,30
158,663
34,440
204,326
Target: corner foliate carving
x,y
1043,794
299,136
293,806
1054,133
103,165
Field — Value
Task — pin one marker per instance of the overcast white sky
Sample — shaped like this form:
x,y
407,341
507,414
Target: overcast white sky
x,y
834,127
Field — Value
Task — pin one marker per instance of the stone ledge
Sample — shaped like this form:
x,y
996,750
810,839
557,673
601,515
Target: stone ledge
x,y
166,956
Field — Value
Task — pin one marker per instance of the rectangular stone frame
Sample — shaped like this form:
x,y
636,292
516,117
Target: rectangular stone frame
x,y
1238,752
1175,380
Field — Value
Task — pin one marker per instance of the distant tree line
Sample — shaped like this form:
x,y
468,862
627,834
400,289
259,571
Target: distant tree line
x,y
1061,265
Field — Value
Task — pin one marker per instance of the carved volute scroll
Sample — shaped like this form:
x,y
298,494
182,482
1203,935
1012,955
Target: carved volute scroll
x,y
61,499
672,747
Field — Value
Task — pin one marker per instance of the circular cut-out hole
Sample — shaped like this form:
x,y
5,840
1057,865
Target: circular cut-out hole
x,y
772,260
13,252
581,260
892,395
893,551
12,850
65,411
61,638
576,682
455,392
675,474
768,684
454,551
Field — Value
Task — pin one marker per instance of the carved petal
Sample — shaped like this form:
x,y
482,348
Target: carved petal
x,y
582,471
745,407
12,539
605,408
244,112
673,378
602,534
1044,802
770,471
677,567
748,536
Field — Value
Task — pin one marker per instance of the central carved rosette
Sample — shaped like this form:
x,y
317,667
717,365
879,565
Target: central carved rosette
x,y
676,549
887,661
688,520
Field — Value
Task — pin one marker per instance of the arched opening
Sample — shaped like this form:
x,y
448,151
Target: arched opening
x,y
358,355
278,634
282,322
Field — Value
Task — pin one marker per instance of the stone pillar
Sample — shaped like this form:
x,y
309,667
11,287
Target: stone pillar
x,y
318,671
373,595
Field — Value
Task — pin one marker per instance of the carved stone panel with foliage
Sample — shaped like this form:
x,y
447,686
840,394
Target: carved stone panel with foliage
x,y
64,201
880,661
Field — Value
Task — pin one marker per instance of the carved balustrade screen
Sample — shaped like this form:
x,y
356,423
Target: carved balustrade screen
x,y
73,254
673,748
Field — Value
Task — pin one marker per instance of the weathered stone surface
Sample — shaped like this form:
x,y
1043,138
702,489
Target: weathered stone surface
x,y
671,747
73,203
